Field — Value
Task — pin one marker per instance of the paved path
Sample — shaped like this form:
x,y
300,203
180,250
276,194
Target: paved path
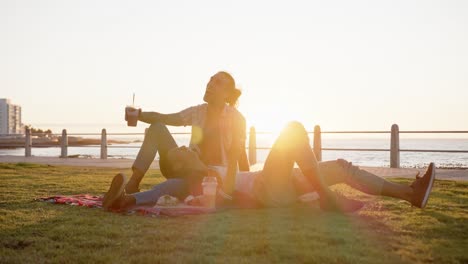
x,y
446,174
80,162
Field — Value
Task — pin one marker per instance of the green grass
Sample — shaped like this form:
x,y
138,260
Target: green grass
x,y
385,231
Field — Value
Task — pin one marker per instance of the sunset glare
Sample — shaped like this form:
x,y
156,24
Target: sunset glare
x,y
344,65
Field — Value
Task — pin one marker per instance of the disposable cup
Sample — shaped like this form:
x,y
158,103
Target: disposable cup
x,y
209,185
131,115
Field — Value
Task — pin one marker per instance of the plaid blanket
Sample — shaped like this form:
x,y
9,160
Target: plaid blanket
x,y
93,201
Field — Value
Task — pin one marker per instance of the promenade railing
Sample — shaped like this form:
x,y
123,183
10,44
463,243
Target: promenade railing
x,y
394,149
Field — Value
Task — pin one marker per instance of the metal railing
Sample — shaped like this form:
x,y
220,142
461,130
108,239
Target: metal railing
x,y
252,144
394,150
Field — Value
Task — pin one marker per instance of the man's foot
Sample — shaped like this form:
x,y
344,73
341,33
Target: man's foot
x,y
422,187
115,192
338,203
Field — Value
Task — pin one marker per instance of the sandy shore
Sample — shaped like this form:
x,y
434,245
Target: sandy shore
x,y
446,174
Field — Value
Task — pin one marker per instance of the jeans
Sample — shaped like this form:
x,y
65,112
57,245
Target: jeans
x,y
157,138
174,187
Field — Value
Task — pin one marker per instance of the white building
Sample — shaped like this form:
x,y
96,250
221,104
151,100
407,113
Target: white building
x,y
10,118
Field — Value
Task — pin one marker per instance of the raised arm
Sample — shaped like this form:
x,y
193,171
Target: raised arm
x,y
167,119
182,118
243,161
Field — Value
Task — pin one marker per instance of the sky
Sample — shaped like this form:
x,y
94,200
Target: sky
x,y
343,65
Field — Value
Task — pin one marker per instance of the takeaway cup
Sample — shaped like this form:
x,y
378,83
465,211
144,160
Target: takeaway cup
x,y
210,184
131,115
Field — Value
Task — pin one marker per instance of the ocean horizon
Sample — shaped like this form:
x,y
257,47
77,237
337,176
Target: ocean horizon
x,y
362,158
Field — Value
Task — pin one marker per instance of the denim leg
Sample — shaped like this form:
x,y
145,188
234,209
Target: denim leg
x,y
342,171
157,138
173,187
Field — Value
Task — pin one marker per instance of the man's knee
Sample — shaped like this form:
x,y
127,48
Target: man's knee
x,y
344,163
293,135
347,166
156,128
349,169
296,130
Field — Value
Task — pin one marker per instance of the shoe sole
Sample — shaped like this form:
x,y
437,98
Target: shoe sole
x,y
115,190
429,188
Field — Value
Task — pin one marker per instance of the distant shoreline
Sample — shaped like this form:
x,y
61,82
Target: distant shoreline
x,y
127,148
44,142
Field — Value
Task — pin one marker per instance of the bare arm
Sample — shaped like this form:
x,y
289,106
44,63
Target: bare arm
x,y
243,161
167,119
229,182
236,155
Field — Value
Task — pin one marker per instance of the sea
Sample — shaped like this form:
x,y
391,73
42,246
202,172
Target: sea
x,y
362,158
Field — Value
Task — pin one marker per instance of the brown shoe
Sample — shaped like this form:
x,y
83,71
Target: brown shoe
x,y
115,192
422,187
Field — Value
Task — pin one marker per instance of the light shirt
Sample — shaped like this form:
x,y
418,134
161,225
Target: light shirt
x,y
244,179
231,121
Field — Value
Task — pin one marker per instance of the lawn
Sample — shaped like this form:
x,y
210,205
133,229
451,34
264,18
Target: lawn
x,y
385,231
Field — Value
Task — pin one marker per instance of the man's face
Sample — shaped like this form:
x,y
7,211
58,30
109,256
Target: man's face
x,y
183,157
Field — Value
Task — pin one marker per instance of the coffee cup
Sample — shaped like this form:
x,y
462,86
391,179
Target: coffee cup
x,y
209,184
131,115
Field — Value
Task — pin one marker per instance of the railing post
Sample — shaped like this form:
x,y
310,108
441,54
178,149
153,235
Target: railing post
x,y
252,146
103,144
27,143
395,147
318,143
64,144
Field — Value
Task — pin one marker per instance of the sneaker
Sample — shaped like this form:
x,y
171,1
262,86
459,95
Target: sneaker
x,y
422,187
115,192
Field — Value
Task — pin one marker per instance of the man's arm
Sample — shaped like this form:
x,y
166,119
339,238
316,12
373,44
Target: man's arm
x,y
167,119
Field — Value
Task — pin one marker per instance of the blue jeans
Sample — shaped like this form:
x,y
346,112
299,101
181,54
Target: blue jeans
x,y
174,187
157,139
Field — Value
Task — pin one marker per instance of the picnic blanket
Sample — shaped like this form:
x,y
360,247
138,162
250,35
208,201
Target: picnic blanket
x,y
95,201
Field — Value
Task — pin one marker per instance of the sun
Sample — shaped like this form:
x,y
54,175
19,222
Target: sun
x,y
268,123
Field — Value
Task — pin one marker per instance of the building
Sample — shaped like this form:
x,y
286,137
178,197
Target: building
x,y
10,118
